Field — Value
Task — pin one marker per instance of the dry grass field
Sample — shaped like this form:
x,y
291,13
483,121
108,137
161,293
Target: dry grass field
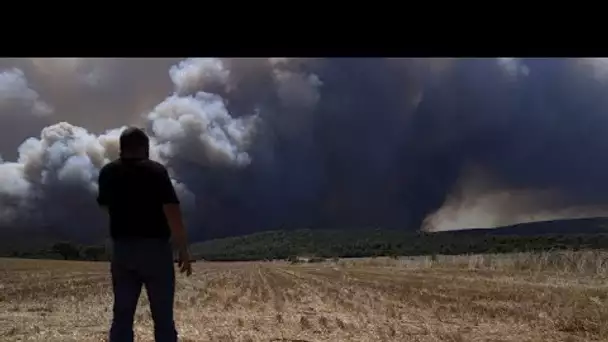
x,y
560,296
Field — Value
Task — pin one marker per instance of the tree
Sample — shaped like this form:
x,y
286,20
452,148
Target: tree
x,y
93,252
66,250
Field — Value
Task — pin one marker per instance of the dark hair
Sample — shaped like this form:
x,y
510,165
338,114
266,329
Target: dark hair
x,y
134,140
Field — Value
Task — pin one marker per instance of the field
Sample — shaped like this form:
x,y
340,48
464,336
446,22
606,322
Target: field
x,y
559,296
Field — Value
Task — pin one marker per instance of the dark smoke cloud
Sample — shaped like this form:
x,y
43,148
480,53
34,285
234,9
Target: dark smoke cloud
x,y
327,143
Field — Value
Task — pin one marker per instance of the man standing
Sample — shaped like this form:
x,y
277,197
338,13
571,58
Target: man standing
x,y
144,215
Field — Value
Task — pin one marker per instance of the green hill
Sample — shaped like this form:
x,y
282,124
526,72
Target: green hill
x,y
365,243
561,234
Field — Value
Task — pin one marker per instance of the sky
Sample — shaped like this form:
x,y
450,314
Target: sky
x,y
287,143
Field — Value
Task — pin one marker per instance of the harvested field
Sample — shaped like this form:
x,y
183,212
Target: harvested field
x,y
550,297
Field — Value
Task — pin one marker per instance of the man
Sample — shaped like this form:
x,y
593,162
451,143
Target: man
x,y
144,214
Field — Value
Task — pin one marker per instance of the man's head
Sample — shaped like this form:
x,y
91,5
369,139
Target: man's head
x,y
134,143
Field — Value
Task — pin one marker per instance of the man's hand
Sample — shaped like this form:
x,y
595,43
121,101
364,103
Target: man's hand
x,y
184,263
178,235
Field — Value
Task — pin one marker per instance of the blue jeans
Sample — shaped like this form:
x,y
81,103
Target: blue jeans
x,y
147,262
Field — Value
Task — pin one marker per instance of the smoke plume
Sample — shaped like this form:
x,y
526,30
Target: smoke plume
x,y
268,143
479,201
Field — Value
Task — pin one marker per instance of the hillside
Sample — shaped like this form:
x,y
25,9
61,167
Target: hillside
x,y
563,234
594,225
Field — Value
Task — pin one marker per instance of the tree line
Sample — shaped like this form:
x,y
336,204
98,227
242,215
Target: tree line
x,y
286,245
67,251
369,243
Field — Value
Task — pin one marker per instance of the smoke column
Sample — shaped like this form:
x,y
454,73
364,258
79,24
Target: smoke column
x,y
267,143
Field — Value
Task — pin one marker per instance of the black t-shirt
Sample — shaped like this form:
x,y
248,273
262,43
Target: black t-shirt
x,y
134,191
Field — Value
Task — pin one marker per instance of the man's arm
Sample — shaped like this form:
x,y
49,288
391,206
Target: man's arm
x,y
173,214
178,231
103,188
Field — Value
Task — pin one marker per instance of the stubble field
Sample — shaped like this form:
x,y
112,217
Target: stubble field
x,y
558,296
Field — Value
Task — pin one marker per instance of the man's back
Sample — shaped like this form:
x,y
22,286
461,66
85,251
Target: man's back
x,y
144,214
134,191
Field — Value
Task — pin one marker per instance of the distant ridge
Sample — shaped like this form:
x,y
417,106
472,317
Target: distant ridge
x,y
594,225
585,233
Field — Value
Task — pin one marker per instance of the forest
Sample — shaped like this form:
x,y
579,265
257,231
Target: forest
x,y
285,244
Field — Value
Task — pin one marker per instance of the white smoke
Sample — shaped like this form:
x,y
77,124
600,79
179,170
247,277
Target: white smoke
x,y
202,126
15,90
98,94
79,71
191,127
193,74
13,191
63,153
478,201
